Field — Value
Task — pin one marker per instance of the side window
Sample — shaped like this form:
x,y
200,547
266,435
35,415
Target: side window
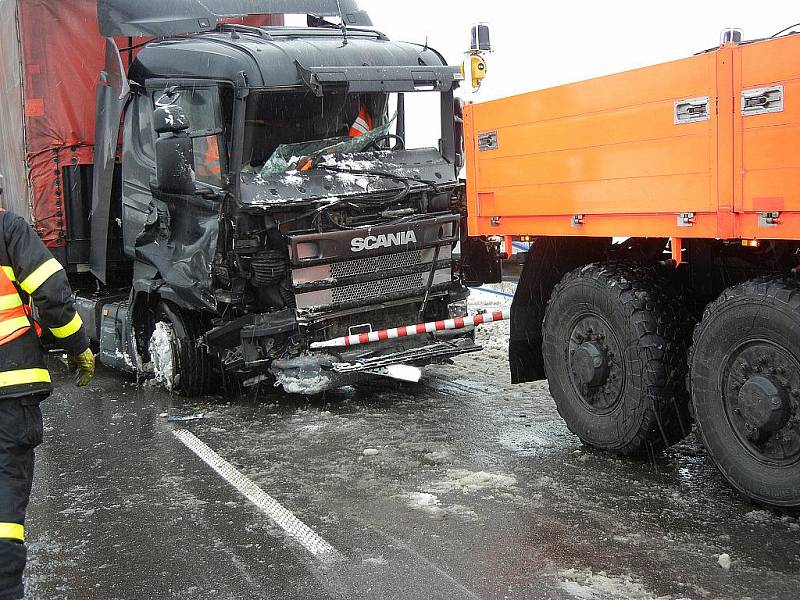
x,y
144,126
202,106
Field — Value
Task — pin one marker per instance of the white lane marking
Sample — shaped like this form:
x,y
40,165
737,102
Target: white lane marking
x,y
282,516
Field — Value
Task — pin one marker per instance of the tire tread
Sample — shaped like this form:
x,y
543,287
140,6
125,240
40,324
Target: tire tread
x,y
782,292
663,326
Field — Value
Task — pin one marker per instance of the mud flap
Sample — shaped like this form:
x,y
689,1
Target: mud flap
x,y
548,261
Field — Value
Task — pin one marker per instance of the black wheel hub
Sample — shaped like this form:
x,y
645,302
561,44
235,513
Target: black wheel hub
x,y
764,404
589,364
761,388
595,365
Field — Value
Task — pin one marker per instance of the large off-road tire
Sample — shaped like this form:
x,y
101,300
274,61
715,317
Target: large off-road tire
x,y
181,364
744,380
615,343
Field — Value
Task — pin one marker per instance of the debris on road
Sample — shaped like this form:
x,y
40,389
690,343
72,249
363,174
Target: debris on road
x,y
371,452
187,418
724,561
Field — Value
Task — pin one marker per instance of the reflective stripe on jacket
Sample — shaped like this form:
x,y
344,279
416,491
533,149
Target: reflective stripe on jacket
x,y
14,320
30,275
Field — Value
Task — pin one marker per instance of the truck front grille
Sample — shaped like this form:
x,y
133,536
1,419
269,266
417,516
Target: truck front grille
x,y
368,291
329,276
370,266
373,289
376,264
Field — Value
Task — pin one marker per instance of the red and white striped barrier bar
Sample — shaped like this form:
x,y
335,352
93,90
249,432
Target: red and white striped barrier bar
x,y
412,330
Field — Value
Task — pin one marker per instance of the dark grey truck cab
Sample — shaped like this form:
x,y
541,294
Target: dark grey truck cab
x,y
249,221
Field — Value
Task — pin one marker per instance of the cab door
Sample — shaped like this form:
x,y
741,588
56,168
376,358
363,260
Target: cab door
x,y
138,168
208,126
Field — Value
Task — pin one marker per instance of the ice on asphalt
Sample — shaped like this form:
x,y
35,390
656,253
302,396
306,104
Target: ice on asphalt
x,y
462,480
432,506
422,499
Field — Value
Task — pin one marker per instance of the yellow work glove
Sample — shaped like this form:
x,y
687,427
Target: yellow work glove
x,y
84,363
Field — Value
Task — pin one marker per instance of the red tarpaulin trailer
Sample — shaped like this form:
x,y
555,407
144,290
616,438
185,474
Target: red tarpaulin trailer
x,y
51,54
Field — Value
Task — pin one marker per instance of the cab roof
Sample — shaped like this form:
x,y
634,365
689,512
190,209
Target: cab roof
x,y
278,57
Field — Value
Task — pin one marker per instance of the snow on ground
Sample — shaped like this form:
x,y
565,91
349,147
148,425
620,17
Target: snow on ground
x,y
765,517
461,480
493,337
587,585
432,506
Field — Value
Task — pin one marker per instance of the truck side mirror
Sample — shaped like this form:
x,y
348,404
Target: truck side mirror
x,y
170,119
174,151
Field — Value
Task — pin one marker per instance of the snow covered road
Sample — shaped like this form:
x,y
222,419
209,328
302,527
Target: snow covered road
x,y
462,486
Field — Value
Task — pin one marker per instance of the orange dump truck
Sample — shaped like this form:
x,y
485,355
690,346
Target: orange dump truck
x,y
695,164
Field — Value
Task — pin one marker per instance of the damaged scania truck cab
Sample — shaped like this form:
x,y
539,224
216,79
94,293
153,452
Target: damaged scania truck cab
x,y
267,200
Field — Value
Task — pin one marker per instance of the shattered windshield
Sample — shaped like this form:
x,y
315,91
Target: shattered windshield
x,y
288,157
298,131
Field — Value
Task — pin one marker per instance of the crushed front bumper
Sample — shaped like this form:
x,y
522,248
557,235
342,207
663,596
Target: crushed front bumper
x,y
320,372
425,355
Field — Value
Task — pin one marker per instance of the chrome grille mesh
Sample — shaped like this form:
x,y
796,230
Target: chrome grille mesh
x,y
373,289
376,264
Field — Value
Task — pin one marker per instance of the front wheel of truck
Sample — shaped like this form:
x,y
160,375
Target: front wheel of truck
x,y
615,356
180,363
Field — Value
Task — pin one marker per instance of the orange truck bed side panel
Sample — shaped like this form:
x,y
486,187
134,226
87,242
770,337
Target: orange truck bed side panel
x,y
767,147
607,157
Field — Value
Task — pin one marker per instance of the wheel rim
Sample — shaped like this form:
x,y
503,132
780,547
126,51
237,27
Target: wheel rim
x,y
760,383
594,363
164,356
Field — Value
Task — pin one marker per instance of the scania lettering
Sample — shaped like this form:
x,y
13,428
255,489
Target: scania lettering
x,y
383,241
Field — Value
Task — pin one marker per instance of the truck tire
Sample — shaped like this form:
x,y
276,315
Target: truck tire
x,y
180,364
744,378
615,342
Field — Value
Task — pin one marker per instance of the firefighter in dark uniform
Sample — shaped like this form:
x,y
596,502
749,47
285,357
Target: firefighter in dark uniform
x,y
29,276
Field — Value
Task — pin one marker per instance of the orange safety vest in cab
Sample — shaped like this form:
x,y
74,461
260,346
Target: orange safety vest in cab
x,y
209,166
363,124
